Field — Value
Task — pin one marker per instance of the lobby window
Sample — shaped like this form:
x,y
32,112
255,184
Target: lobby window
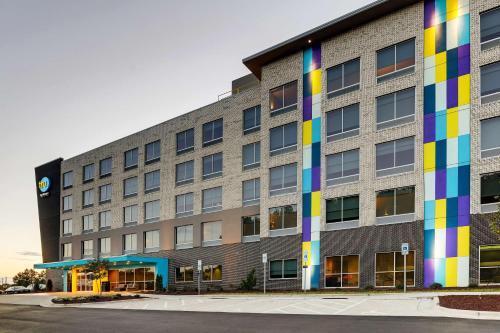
x,y
130,187
67,203
88,173
88,198
396,204
283,179
395,157
105,247
490,138
283,98
105,220
130,214
251,156
342,168
105,193
67,251
152,181
184,205
87,249
389,269
250,228
490,83
152,241
184,237
490,28
396,60
153,152
67,229
283,269
212,233
283,139
212,132
343,78
131,158
489,265
184,173
67,179
152,211
251,120
212,273
345,209
105,167
212,199
284,217
87,223
212,166
396,109
342,271
251,192
490,192
185,141
184,274
342,123
130,244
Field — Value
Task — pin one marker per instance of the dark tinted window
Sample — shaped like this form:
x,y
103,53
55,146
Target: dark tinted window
x,y
212,132
131,158
185,140
251,119
153,151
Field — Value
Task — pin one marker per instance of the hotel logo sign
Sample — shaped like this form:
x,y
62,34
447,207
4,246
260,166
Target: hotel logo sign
x,y
44,186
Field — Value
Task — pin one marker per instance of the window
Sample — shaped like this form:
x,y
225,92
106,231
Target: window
x,y
342,123
67,252
212,132
490,83
490,28
88,198
396,108
104,247
342,168
105,193
212,166
489,264
87,249
212,273
344,209
212,233
284,217
283,99
251,120
251,156
153,151
131,158
394,202
105,220
490,140
152,181
250,228
130,214
184,205
184,237
152,211
184,173
251,192
67,229
283,269
185,141
152,241
342,272
184,274
87,223
129,243
389,269
395,157
343,78
283,139
130,187
67,203
283,179
212,199
490,192
68,179
88,173
105,166
396,60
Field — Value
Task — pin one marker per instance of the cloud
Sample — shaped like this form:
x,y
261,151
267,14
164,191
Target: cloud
x,y
29,253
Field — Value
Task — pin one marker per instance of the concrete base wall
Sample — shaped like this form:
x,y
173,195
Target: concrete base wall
x,y
56,276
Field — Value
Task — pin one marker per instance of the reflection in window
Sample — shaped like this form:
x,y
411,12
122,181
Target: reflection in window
x,y
67,179
283,179
490,83
251,192
343,78
130,187
184,274
342,272
152,181
284,217
212,166
389,269
283,99
490,28
342,123
490,188
212,132
396,108
283,269
185,141
184,204
212,199
251,225
130,214
489,264
212,233
342,209
105,167
184,173
395,157
251,156
88,173
343,167
212,273
129,243
152,241
251,120
152,211
283,139
396,60
153,151
131,158
396,202
490,139
184,237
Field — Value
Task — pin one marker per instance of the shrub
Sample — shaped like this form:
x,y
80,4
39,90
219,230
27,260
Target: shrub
x,y
49,285
369,287
473,285
436,286
172,289
400,287
250,282
159,283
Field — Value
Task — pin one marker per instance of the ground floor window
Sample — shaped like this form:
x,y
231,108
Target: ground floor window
x,y
389,269
184,274
141,278
84,281
283,269
489,264
212,273
342,271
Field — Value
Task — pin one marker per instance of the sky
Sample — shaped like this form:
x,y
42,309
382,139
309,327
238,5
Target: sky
x,y
75,75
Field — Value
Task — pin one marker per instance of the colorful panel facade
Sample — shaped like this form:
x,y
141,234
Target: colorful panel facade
x,y
447,142
311,168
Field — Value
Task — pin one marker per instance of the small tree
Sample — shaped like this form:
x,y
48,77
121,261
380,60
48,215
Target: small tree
x,y
159,283
250,282
495,223
49,285
29,276
99,270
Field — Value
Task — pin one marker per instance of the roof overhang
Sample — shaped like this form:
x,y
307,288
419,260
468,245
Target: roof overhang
x,y
124,260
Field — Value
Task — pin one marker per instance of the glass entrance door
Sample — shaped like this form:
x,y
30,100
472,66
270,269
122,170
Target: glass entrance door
x,y
84,282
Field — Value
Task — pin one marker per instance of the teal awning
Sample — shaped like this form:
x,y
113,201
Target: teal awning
x,y
122,260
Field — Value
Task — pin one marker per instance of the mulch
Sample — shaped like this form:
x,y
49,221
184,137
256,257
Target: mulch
x,y
471,302
90,299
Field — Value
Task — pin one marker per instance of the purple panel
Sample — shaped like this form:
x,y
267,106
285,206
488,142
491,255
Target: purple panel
x,y
316,179
451,242
316,57
429,10
452,92
428,272
463,211
307,114
464,60
441,184
306,229
430,128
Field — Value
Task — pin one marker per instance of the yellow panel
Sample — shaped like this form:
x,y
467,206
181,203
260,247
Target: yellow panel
x,y
429,156
463,241
451,9
307,132
451,272
74,280
441,67
306,246
315,204
452,123
316,81
430,41
464,90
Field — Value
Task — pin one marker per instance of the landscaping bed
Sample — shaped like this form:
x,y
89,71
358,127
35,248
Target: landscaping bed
x,y
93,299
471,302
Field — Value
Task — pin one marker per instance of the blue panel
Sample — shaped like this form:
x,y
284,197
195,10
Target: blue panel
x,y
316,154
464,150
440,125
429,243
306,181
452,212
306,205
452,182
441,154
464,185
430,99
464,30
316,130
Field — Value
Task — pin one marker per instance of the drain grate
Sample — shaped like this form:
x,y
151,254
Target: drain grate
x,y
334,298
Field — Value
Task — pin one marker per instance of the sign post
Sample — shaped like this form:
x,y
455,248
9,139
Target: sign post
x,y
264,262
405,250
305,266
199,276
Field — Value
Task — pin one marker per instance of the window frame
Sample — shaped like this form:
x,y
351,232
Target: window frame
x,y
155,188
284,149
491,43
91,198
395,218
344,89
108,224
131,207
187,245
84,222
182,270
283,269
154,218
85,254
183,165
132,194
490,207
88,180
212,174
211,242
256,199
213,139
394,271
486,267
342,271
69,200
256,233
71,175
184,212
284,108
256,127
211,273
396,121
136,163
343,179
100,250
282,230
102,165
66,246
124,240
255,164
155,158
283,190
489,152
344,134
109,193
69,230
396,169
396,72
185,135
210,209
341,211
154,248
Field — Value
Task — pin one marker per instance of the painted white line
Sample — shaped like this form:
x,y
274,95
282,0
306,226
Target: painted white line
x,y
182,302
305,309
165,304
351,306
145,306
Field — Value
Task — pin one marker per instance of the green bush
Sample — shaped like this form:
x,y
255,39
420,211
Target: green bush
x,y
159,283
436,286
49,285
369,287
250,282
